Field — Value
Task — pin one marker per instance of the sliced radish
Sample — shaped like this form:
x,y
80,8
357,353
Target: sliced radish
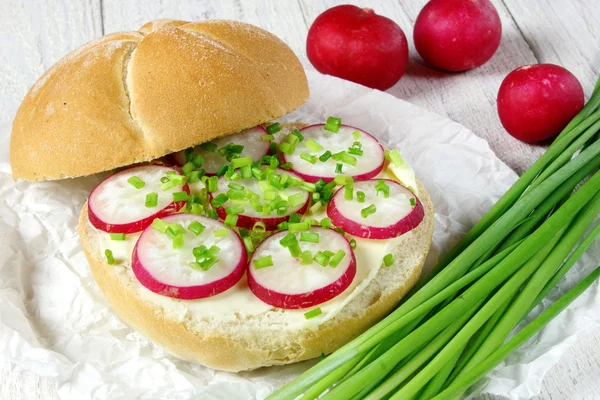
x,y
250,216
251,139
116,206
394,215
167,271
367,166
290,284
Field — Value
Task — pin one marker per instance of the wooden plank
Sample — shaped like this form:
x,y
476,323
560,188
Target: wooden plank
x,y
37,34
468,97
565,34
283,18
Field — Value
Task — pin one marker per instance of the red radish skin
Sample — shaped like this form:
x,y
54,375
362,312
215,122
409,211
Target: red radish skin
x,y
356,227
378,153
535,102
302,300
136,226
457,35
189,292
358,45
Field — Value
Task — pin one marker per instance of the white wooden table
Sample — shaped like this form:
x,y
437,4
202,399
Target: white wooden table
x,y
36,33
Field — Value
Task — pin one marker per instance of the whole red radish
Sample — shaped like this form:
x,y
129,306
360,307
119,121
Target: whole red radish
x,y
457,35
535,102
358,45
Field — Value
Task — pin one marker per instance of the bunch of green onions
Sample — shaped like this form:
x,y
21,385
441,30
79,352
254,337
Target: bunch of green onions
x,y
453,328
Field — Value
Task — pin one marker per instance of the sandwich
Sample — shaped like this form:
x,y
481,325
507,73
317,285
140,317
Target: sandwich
x,y
226,237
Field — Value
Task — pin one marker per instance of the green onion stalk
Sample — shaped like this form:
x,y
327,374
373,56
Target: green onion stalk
x,y
453,327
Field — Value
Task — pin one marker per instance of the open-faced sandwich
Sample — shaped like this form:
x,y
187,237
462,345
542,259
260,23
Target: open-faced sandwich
x,y
226,238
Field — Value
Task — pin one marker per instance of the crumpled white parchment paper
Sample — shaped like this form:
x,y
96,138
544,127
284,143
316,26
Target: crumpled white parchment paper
x,y
55,322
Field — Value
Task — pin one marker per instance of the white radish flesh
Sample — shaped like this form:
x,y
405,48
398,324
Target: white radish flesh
x,y
251,139
116,206
291,285
367,166
394,215
167,271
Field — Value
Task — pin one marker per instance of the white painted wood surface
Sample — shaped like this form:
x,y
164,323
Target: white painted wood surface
x,y
36,33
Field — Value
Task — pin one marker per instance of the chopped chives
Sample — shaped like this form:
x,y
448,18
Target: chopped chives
x,y
321,259
313,146
287,166
353,243
296,199
195,265
355,151
199,252
306,257
249,244
236,194
208,146
231,220
360,196
298,135
349,191
310,237
338,156
333,124
348,159
151,200
343,180
326,223
234,210
208,262
328,253
198,160
282,208
188,167
356,135
197,209
283,225
365,212
273,162
246,171
295,217
295,249
178,241
287,148
188,154
413,202
299,226
196,227
266,138
110,259
288,239
309,187
263,262
292,139
235,186
164,179
330,186
171,183
337,258
266,210
180,196
273,128
388,260
159,225
136,182
338,168
269,195
381,186
316,196
310,158
325,156
221,171
174,229
273,148
213,183
241,162
316,207
259,227
214,249
221,232
117,236
395,157
219,200
251,195
313,313
193,176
